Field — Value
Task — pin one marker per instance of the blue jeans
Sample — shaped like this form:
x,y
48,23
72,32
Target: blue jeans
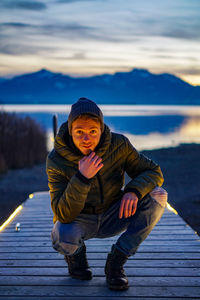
x,y
67,238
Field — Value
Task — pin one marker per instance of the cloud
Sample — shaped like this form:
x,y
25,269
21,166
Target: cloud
x,y
83,55
64,28
12,49
23,38
176,19
14,25
72,30
72,1
191,70
79,56
181,34
184,26
21,49
48,27
20,4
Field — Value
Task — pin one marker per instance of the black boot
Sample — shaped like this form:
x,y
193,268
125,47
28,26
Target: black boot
x,y
78,265
115,276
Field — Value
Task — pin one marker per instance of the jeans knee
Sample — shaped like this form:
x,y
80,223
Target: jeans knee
x,y
65,249
64,239
160,195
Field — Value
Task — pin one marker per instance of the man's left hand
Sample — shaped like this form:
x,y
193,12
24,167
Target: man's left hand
x,y
128,205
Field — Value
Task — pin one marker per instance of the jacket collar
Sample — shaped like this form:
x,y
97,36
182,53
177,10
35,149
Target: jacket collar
x,y
65,147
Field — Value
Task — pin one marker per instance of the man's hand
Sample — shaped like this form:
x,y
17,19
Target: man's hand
x,y
128,205
90,165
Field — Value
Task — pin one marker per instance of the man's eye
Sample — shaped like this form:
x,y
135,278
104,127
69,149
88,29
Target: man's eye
x,y
93,131
79,132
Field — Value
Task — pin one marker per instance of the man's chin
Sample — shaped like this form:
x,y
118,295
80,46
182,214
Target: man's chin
x,y
86,151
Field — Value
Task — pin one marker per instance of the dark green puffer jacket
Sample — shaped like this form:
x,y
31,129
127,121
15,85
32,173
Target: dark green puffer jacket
x,y
72,193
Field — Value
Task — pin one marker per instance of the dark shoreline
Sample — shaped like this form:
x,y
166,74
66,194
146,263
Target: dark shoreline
x,y
181,169
180,166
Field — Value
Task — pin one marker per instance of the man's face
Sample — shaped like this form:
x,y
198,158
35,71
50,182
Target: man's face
x,y
86,134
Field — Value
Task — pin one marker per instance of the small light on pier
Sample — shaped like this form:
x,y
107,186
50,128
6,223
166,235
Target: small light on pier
x,y
17,227
17,210
31,196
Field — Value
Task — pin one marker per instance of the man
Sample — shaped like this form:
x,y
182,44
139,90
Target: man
x,y
86,177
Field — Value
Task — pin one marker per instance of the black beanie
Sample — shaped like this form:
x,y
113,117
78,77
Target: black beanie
x,y
84,106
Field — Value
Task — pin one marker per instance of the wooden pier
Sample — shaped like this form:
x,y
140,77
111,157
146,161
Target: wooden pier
x,y
166,266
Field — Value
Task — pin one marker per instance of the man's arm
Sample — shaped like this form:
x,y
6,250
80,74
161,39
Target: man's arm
x,y
144,172
145,175
67,197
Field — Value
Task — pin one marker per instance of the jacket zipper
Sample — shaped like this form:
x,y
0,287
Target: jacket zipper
x,y
100,188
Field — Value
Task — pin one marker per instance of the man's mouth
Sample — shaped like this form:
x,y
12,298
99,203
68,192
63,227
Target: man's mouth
x,y
87,146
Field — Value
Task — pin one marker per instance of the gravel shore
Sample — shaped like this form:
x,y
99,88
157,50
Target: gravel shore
x,y
180,166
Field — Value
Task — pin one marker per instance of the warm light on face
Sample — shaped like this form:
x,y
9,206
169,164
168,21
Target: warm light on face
x,y
86,134
170,208
17,210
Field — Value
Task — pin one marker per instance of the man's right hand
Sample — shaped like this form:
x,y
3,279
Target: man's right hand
x,y
90,165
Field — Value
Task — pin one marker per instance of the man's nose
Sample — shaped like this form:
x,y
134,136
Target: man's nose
x,y
86,137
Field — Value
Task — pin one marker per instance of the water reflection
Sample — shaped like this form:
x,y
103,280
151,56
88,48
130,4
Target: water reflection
x,y
191,127
188,132
148,127
145,124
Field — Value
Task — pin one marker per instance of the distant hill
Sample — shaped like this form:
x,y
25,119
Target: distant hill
x,y
138,86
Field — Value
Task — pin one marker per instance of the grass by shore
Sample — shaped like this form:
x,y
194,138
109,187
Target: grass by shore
x,y
180,166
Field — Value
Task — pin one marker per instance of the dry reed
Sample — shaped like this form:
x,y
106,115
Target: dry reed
x,y
22,142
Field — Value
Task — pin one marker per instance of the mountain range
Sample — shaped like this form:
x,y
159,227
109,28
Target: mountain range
x,y
138,86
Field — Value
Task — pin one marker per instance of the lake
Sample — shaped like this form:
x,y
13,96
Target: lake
x,y
147,126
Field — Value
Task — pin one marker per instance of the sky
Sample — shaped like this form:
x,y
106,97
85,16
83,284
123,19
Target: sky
x,y
84,38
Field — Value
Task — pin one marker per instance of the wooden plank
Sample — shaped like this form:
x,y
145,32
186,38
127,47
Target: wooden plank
x,y
47,232
40,226
43,216
103,248
195,263
84,291
49,226
47,237
44,221
164,234
66,280
98,255
95,298
47,242
99,271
